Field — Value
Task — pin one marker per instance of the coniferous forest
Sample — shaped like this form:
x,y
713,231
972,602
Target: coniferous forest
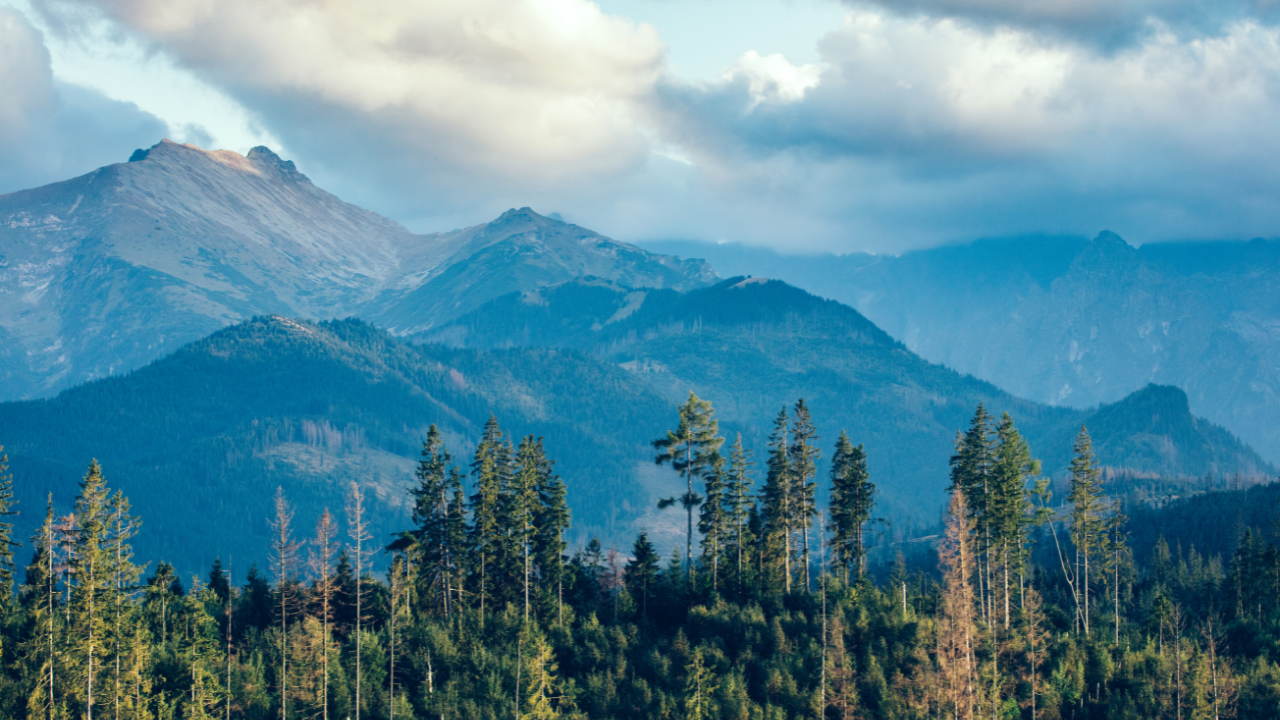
x,y
767,606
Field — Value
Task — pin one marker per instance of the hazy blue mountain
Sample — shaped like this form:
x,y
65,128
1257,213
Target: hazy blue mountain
x,y
1071,321
752,345
200,439
106,272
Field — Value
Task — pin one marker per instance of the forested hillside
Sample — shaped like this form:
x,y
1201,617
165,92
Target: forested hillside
x,y
197,437
1068,320
485,612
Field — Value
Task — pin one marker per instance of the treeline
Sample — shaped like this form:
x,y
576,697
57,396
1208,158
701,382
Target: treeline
x,y
1039,609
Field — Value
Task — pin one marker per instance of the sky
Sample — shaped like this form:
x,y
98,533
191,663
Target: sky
x,y
803,125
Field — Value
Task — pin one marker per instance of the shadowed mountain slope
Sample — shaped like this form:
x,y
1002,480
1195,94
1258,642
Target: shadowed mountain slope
x,y
1068,320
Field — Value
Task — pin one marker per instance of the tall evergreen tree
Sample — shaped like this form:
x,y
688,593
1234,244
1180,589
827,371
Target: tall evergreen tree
x,y
1010,506
359,550
739,503
971,471
7,543
1087,521
642,572
713,521
124,578
284,561
523,506
552,520
690,448
777,513
852,498
40,599
435,548
804,469
487,541
91,595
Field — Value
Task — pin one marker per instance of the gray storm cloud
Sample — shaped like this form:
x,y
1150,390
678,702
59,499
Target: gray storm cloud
x,y
50,130
924,123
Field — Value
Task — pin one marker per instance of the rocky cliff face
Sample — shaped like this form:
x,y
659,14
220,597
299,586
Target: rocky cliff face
x,y
106,272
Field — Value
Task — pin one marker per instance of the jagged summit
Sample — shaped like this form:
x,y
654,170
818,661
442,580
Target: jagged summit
x,y
108,271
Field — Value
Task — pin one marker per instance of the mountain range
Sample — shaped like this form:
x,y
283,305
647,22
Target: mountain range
x,y
106,272
1067,320
201,438
178,318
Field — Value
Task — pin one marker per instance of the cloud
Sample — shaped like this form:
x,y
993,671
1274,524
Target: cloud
x,y
921,125
922,130
50,130
482,93
1106,24
772,78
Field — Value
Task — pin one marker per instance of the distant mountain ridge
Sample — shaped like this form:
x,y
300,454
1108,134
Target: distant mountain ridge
x,y
108,271
200,439
1069,320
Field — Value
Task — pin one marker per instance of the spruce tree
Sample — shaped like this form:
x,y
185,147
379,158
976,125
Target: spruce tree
x,y
642,572
91,566
523,509
739,503
7,543
1010,506
551,520
355,591
124,577
712,518
284,561
434,549
486,539
1087,522
777,513
971,470
689,448
40,600
804,468
852,498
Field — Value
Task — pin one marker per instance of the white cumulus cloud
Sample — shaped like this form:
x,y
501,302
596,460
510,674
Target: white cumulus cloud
x,y
50,130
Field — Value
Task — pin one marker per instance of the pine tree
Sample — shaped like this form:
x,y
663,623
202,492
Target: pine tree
x,y
219,583
852,498
91,594
1087,523
642,572
739,504
1009,507
1036,636
124,577
487,542
284,560
699,689
358,534
40,599
522,513
689,448
804,468
777,512
435,551
957,645
712,519
321,560
551,520
7,543
971,471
